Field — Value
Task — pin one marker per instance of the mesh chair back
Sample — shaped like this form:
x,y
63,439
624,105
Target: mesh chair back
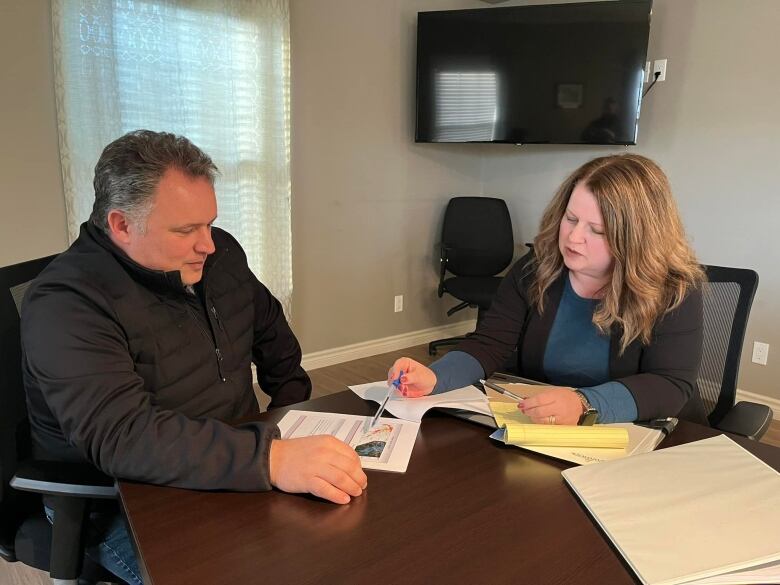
x,y
15,442
727,295
477,233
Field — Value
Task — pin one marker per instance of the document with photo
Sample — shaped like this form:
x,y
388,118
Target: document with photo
x,y
385,447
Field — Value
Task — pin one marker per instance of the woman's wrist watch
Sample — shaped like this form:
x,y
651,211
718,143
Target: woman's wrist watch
x,y
589,414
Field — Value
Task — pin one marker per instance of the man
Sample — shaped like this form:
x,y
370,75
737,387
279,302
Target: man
x,y
138,340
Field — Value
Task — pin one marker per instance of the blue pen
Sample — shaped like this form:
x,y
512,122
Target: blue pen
x,y
393,385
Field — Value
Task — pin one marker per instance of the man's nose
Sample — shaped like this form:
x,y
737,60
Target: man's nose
x,y
205,243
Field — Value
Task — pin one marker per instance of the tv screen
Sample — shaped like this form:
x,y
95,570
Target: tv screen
x,y
555,74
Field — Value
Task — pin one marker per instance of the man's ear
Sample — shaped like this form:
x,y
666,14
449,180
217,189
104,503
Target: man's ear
x,y
118,226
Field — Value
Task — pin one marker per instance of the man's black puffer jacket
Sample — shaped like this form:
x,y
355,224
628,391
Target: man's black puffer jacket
x,y
126,369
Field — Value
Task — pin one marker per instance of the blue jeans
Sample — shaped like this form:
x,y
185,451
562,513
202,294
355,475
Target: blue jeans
x,y
108,544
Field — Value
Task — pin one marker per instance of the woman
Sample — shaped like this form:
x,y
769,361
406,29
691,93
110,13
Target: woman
x,y
607,307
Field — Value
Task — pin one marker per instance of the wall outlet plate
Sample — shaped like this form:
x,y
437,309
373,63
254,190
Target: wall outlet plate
x,y
760,353
659,66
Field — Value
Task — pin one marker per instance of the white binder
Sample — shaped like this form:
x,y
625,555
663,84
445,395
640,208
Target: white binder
x,y
703,512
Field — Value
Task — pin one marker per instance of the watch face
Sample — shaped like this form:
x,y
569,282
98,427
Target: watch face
x,y
589,417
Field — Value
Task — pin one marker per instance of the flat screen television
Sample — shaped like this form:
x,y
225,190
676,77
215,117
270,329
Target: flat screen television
x,y
542,74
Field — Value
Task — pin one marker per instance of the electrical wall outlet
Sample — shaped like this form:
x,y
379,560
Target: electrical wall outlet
x,y
399,303
760,352
648,74
659,66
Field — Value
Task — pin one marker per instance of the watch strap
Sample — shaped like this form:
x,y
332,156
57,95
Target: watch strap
x,y
589,414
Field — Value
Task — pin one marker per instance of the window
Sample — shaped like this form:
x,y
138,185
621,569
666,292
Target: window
x,y
466,106
216,71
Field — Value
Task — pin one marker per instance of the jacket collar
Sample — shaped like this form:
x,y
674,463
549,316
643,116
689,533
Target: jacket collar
x,y
158,280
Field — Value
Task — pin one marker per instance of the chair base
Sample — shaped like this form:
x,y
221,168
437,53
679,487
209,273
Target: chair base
x,y
33,548
433,346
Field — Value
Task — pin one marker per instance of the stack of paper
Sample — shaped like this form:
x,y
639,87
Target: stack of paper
x,y
640,440
703,512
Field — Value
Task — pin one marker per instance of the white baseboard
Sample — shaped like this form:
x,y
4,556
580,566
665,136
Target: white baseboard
x,y
337,355
772,403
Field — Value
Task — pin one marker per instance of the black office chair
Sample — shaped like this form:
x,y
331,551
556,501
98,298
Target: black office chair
x,y
476,244
728,296
25,533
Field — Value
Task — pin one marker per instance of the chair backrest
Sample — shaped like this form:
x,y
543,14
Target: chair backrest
x,y
477,232
15,443
728,295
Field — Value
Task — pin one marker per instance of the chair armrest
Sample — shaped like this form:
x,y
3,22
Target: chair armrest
x,y
748,419
63,479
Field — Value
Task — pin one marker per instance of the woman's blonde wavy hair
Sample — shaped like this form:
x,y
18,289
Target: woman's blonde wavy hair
x,y
654,267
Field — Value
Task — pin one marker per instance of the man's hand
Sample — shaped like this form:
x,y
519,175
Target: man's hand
x,y
558,405
416,381
320,465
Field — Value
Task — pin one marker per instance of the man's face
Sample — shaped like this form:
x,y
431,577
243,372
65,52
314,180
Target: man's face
x,y
177,235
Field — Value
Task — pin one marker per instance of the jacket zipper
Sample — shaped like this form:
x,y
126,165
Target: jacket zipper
x,y
211,338
216,318
207,301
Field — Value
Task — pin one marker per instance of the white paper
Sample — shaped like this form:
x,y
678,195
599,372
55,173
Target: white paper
x,y
764,574
386,447
413,409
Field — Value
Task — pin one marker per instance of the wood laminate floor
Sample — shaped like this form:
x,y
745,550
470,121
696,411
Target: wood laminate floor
x,y
325,381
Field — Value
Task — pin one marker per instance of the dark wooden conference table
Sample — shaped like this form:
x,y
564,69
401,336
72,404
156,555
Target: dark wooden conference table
x,y
467,510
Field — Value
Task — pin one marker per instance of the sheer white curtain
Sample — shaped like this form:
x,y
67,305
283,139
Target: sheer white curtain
x,y
216,71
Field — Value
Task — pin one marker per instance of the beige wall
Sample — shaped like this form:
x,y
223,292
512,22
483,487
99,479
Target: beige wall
x,y
32,222
715,129
367,201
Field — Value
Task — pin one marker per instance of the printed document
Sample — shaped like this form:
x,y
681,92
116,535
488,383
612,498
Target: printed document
x,y
386,447
413,409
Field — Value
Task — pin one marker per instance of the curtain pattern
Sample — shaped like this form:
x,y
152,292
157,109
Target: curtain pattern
x,y
216,71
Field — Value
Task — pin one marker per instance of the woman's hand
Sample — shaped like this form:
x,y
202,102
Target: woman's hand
x,y
417,380
557,405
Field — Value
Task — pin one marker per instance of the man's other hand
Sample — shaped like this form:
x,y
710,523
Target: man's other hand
x,y
320,465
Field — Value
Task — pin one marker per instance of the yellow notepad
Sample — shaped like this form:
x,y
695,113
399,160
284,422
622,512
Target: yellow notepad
x,y
521,431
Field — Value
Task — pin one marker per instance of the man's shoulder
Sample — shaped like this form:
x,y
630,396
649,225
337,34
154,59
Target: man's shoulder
x,y
82,269
229,256
228,246
228,272
224,238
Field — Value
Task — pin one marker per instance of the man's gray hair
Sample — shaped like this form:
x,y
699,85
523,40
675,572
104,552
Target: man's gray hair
x,y
130,168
